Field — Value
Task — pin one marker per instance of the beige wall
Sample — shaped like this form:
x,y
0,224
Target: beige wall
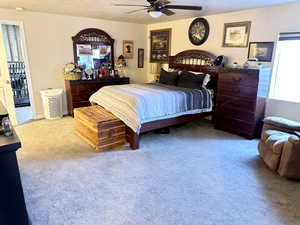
x,y
48,39
266,25
49,45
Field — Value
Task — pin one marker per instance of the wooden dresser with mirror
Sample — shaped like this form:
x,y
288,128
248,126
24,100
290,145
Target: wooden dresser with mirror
x,y
93,49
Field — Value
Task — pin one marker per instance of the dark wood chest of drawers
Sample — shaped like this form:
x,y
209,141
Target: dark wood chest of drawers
x,y
240,103
79,91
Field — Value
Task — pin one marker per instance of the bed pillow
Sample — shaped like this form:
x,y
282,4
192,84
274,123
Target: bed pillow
x,y
168,78
191,80
206,79
174,70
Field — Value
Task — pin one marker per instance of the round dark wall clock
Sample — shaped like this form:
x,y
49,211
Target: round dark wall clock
x,y
199,31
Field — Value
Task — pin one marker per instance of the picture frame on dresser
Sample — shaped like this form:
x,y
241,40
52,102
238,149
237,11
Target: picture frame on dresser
x,y
236,34
260,51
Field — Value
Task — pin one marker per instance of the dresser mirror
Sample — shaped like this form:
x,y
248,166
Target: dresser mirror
x,y
93,49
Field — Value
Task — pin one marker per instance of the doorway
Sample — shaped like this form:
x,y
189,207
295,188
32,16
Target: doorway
x,y
17,72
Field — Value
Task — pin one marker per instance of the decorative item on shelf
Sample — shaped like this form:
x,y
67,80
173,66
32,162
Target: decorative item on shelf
x,y
220,60
116,72
95,74
260,51
252,59
3,114
103,72
235,65
83,75
7,127
246,65
120,65
260,65
236,34
112,73
198,31
128,49
89,73
141,53
160,45
72,72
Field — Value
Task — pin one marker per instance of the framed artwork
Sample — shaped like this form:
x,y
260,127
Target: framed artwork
x,y
260,51
128,49
160,43
141,53
236,34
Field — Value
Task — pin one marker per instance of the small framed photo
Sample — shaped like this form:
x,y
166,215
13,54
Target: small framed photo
x,y
236,34
128,49
261,51
141,53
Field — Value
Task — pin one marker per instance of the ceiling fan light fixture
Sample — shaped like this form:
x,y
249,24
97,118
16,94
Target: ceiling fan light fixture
x,y
155,13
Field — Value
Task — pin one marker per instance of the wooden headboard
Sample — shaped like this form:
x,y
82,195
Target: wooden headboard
x,y
197,61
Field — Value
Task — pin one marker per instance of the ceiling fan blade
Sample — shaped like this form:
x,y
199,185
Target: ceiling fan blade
x,y
167,12
161,2
134,11
129,5
186,7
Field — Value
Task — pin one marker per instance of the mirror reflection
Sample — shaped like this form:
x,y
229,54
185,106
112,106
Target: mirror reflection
x,y
94,56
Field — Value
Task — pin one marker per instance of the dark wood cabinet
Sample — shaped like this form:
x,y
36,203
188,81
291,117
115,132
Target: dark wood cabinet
x,y
240,103
79,91
12,204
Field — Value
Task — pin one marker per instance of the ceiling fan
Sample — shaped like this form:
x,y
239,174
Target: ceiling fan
x,y
159,7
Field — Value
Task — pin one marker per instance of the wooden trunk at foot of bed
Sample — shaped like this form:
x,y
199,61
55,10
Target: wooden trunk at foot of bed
x,y
99,128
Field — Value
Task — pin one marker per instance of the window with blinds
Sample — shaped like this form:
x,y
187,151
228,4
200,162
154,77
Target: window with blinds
x,y
13,48
286,73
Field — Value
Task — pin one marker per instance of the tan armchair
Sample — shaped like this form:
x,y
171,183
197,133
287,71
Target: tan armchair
x,y
280,146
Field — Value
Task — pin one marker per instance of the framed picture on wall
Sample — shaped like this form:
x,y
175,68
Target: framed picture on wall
x,y
261,51
128,49
160,44
236,34
141,53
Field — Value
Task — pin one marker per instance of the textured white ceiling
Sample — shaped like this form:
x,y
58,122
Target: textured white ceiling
x,y
104,8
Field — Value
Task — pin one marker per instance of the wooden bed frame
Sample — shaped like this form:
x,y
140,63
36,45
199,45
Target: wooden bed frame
x,y
190,60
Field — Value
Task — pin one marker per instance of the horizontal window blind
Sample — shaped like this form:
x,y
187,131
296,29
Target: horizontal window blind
x,y
287,36
11,35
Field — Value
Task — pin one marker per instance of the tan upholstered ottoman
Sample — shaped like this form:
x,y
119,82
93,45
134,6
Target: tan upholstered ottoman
x,y
98,127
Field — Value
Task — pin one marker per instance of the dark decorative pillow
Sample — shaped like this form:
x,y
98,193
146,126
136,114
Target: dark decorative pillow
x,y
191,80
168,78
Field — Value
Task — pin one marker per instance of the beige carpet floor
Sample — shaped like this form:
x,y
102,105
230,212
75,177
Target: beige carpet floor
x,y
194,175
